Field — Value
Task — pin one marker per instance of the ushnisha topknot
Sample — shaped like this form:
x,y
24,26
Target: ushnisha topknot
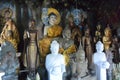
x,y
54,43
99,43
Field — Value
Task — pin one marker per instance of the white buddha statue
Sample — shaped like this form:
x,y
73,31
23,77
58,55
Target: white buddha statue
x,y
100,61
55,63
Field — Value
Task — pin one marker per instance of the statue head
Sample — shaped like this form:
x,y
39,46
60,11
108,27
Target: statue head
x,y
66,33
87,31
52,18
32,24
9,34
98,27
99,46
107,31
54,47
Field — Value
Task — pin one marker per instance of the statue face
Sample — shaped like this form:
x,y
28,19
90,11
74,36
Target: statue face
x,y
67,34
31,24
54,47
52,19
99,46
107,33
87,32
98,27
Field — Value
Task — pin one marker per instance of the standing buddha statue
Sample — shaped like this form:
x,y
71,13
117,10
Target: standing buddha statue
x,y
107,38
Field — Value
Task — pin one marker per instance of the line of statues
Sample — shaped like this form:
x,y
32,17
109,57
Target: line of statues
x,y
62,50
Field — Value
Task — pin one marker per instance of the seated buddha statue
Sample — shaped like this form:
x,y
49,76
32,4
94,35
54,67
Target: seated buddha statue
x,y
107,38
67,45
51,31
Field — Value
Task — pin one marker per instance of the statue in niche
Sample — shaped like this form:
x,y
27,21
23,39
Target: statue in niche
x,y
10,28
31,57
55,63
107,38
9,63
87,46
100,61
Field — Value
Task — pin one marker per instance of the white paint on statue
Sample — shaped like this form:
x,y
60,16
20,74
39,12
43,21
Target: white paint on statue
x,y
100,61
55,63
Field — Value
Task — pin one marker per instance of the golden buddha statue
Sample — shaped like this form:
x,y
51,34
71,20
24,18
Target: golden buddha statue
x,y
10,26
10,33
31,57
98,34
107,38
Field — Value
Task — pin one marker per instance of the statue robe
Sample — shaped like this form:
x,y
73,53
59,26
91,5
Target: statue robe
x,y
101,65
55,65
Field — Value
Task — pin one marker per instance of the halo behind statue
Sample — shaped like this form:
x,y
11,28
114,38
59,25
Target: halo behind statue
x,y
52,10
5,10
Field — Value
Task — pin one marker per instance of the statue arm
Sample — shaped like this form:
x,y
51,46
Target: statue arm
x,y
3,31
101,63
106,41
83,42
26,35
47,64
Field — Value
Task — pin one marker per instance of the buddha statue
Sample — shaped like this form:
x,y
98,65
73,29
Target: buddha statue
x,y
79,64
31,56
67,45
100,61
55,63
107,38
98,34
87,46
10,33
10,26
51,31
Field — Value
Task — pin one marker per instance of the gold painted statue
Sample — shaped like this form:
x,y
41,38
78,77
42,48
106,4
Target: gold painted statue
x,y
31,58
30,37
107,38
98,34
10,29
